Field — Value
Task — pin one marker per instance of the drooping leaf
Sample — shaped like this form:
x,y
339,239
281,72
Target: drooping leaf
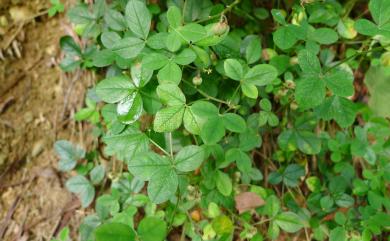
x,y
82,187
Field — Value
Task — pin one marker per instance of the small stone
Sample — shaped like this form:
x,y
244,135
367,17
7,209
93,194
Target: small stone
x,y
37,148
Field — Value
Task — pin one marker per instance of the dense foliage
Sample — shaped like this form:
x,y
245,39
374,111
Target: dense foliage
x,y
233,120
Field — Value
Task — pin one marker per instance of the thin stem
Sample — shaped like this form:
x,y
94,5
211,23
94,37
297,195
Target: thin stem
x,y
174,210
159,147
224,12
170,143
208,96
355,55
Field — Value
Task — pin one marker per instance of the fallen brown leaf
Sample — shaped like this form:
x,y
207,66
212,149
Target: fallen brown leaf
x,y
248,200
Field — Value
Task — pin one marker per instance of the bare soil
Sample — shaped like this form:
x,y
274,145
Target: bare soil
x,y
37,103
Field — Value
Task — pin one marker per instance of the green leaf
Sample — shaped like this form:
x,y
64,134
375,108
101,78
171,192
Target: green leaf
x,y
168,119
103,58
253,51
138,18
310,92
114,232
234,122
146,165
174,17
366,27
130,108
192,32
191,122
126,145
250,90
278,15
171,73
308,142
324,36
163,185
243,161
128,47
115,20
222,225
82,187
260,75
289,222
69,155
224,183
342,110
340,81
109,38
284,37
380,11
378,84
338,234
189,158
152,229
97,174
170,95
185,57
114,89
173,42
292,174
212,131
309,62
233,69
154,61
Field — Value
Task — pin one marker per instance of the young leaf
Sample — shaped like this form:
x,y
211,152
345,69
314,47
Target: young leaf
x,y
189,158
82,187
69,155
224,183
138,18
114,89
114,232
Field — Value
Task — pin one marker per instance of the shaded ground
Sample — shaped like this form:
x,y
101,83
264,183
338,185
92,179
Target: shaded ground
x,y
37,102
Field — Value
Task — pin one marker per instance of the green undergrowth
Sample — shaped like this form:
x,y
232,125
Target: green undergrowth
x,y
232,120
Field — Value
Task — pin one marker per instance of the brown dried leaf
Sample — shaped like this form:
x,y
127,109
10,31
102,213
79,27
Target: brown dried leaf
x,y
248,200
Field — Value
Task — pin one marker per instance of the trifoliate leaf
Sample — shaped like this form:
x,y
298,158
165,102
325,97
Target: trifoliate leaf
x,y
192,32
128,47
83,188
224,183
212,131
340,109
152,229
309,62
154,61
284,37
340,81
249,90
185,57
324,36
69,155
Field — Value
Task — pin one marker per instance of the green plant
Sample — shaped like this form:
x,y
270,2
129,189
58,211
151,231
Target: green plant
x,y
217,126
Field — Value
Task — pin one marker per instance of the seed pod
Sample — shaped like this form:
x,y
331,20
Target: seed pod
x,y
293,106
197,80
220,28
